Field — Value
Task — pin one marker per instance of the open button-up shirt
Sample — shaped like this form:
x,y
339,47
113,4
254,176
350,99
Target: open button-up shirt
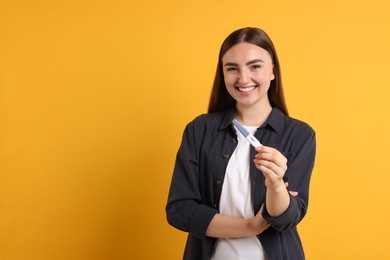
x,y
208,141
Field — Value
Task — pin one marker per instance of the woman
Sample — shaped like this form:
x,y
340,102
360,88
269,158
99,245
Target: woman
x,y
236,201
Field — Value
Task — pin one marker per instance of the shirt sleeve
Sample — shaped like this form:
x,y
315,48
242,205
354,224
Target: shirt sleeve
x,y
184,209
298,174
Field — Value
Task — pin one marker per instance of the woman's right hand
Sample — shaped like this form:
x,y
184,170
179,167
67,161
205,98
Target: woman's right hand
x,y
258,222
294,193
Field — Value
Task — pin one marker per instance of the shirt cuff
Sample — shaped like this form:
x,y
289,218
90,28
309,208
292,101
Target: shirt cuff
x,y
290,217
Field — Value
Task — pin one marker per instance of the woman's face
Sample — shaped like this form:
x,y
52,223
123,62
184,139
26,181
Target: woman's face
x,y
248,72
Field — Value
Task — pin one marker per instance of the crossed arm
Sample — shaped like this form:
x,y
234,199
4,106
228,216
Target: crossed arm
x,y
222,226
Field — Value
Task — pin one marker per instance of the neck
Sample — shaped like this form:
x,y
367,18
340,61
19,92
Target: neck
x,y
254,115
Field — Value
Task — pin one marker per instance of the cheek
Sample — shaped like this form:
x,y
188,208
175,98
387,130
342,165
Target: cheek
x,y
267,76
229,81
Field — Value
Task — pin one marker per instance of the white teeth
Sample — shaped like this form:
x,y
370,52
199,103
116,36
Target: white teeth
x,y
247,89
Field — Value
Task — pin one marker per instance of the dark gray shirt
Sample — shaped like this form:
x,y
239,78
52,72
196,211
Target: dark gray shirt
x,y
208,141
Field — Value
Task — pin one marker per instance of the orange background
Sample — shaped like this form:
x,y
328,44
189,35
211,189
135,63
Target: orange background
x,y
94,96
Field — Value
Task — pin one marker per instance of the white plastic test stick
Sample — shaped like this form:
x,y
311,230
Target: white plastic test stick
x,y
252,140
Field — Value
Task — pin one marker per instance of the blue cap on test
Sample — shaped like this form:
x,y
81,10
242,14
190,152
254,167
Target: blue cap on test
x,y
242,129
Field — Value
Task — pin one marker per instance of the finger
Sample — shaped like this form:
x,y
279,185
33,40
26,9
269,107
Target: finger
x,y
275,157
266,149
280,163
260,165
272,166
269,174
294,193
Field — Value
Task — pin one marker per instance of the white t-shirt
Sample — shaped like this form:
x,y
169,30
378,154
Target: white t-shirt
x,y
236,200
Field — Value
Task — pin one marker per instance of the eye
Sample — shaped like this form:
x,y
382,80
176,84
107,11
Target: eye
x,y
231,69
255,66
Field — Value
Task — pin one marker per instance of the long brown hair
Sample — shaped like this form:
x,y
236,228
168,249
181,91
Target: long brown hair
x,y
220,99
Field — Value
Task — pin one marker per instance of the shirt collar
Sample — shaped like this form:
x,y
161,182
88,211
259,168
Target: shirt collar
x,y
275,119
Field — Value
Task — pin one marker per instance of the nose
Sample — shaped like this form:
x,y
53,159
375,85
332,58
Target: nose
x,y
243,77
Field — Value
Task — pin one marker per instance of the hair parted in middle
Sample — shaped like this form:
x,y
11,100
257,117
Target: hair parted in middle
x,y
220,99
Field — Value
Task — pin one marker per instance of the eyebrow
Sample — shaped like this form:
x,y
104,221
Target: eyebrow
x,y
248,63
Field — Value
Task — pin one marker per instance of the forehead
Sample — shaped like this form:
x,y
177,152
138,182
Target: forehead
x,y
244,52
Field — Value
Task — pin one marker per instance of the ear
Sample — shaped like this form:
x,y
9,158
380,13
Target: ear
x,y
273,73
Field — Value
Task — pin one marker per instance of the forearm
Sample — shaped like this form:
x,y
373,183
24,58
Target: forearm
x,y
222,226
277,200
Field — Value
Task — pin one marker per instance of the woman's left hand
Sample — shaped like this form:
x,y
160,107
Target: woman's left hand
x,y
272,164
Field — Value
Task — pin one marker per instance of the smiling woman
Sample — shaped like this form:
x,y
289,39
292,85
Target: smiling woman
x,y
232,198
260,48
248,72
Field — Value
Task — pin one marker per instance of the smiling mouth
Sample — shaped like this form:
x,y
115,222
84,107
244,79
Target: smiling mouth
x,y
246,89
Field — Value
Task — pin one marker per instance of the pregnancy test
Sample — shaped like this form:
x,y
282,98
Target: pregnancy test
x,y
252,140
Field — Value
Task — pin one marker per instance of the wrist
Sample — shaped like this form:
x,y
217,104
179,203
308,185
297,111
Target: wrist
x,y
277,187
254,225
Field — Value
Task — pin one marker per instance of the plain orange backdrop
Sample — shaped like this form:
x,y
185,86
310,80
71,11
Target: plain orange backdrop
x,y
94,96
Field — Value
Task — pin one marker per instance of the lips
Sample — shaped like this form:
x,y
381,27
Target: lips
x,y
246,89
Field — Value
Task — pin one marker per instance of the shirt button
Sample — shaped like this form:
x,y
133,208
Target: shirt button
x,y
234,140
218,182
225,155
